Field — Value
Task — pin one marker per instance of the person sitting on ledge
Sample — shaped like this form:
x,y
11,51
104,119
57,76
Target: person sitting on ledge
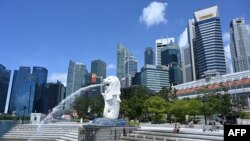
x,y
176,128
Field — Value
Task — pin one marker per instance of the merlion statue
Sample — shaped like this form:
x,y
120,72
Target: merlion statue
x,y
112,102
111,97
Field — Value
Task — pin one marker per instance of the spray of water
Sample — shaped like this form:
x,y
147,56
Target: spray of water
x,y
68,100
59,108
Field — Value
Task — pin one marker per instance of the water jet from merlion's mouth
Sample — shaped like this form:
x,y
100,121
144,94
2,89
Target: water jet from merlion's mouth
x,y
71,98
60,107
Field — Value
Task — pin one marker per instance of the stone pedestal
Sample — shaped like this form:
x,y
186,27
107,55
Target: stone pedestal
x,y
104,133
109,122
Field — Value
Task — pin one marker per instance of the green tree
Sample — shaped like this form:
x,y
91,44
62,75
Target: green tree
x,y
97,104
183,107
179,109
157,106
207,101
132,102
81,105
215,101
168,93
194,107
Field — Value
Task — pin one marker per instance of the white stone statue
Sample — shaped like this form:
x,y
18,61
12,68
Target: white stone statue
x,y
111,97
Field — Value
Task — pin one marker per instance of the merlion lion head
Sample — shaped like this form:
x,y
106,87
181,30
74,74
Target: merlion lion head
x,y
112,88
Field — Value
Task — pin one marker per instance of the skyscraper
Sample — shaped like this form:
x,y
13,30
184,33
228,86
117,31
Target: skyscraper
x,y
240,45
41,74
149,56
54,94
122,58
99,68
192,49
208,42
171,57
160,45
23,91
75,79
130,70
154,77
186,64
136,80
122,54
4,85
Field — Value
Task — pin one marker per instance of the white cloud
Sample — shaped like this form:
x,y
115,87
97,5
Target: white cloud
x,y
154,14
183,38
58,76
226,37
111,66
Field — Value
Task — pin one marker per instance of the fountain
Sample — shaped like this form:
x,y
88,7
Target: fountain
x,y
112,101
107,128
60,107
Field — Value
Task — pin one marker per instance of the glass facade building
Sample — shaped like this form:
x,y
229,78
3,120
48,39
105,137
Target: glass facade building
x,y
54,94
122,54
171,57
240,45
192,49
130,70
75,79
23,92
208,42
4,85
186,64
136,80
42,75
99,68
161,45
154,77
126,63
149,56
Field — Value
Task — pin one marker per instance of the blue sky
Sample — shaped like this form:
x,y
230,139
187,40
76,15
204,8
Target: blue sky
x,y
49,33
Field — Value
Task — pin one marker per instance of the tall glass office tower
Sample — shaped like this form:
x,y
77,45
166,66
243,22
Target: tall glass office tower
x,y
23,91
4,85
122,54
208,42
54,94
192,50
130,69
75,79
99,68
186,64
42,75
161,45
149,56
240,45
171,57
